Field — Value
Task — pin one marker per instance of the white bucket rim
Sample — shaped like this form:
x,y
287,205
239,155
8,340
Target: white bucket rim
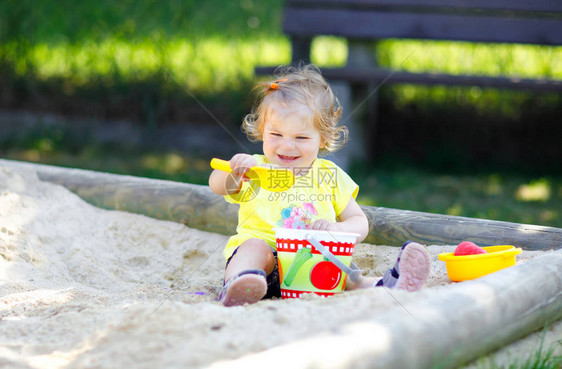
x,y
300,234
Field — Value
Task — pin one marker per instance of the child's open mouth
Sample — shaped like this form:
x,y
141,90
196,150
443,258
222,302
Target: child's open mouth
x,y
287,159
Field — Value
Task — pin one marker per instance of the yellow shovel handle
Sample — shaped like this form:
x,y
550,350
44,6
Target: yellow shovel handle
x,y
219,164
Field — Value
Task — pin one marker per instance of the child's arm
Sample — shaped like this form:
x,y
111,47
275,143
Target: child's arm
x,y
352,219
223,183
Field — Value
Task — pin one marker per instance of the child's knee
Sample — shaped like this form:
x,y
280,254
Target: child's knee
x,y
258,250
256,245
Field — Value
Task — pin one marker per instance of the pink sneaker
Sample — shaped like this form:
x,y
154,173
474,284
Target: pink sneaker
x,y
411,269
247,287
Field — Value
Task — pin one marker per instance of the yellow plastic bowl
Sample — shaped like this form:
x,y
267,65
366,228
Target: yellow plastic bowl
x,y
465,267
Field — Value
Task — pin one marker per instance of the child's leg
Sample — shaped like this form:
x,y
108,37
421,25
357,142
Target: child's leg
x,y
361,282
245,274
251,254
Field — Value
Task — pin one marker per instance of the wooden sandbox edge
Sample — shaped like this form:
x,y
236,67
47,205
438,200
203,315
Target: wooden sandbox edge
x,y
198,207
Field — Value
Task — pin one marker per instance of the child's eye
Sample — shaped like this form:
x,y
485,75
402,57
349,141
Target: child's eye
x,y
275,134
302,138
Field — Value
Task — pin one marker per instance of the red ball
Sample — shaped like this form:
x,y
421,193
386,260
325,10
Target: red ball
x,y
469,248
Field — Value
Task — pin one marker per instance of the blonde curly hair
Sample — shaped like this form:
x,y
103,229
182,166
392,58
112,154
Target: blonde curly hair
x,y
302,85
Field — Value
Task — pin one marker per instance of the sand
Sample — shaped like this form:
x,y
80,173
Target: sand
x,y
83,287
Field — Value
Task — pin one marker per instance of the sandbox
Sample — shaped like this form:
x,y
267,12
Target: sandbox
x,y
85,287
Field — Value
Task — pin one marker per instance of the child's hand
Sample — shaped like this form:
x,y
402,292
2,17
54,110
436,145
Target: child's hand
x,y
324,225
240,164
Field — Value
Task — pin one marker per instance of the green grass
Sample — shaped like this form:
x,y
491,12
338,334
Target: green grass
x,y
498,196
541,358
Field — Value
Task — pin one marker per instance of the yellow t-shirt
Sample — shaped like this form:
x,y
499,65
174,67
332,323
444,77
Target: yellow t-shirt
x,y
322,193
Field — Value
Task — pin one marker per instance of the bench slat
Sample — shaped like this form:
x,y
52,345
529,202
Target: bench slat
x,y
374,24
540,6
390,77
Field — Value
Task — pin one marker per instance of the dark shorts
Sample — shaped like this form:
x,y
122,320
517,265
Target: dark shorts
x,y
273,287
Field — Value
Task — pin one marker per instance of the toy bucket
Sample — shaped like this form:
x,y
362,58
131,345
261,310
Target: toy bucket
x,y
314,261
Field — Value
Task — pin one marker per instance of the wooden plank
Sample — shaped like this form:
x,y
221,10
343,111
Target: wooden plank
x,y
198,207
392,77
394,226
445,327
496,5
381,25
264,71
432,79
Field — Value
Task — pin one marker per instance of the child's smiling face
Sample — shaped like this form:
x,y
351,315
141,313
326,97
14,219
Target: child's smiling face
x,y
290,139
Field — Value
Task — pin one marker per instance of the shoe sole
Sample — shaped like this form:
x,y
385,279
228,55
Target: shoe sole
x,y
415,266
246,289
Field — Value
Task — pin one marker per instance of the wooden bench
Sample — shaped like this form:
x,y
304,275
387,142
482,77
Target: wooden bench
x,y
363,22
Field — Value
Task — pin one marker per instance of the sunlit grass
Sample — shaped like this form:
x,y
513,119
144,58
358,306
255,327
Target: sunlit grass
x,y
211,64
329,51
475,58
539,190
183,57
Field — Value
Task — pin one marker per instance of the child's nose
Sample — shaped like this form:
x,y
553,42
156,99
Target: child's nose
x,y
288,143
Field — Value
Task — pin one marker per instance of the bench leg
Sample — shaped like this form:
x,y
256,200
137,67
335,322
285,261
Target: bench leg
x,y
364,99
354,149
366,102
300,48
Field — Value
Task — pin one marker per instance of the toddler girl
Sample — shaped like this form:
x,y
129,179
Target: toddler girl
x,y
296,119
